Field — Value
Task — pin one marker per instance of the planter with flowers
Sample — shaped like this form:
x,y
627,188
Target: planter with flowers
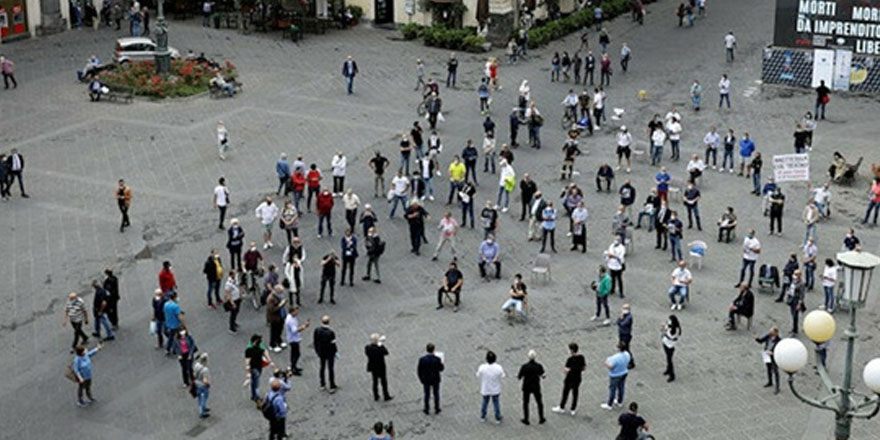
x,y
186,78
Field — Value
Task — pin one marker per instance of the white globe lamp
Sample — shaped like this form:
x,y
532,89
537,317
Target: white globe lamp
x,y
871,375
790,355
819,326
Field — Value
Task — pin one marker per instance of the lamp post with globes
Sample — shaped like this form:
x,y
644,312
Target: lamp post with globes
x,y
791,354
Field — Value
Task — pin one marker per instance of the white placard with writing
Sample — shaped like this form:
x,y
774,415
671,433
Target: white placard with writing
x,y
791,167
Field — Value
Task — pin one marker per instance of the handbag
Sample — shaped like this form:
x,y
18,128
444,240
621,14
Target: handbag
x,y
69,374
152,327
826,99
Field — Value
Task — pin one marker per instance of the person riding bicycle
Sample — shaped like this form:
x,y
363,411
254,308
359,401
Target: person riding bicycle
x,y
571,103
430,87
253,264
632,426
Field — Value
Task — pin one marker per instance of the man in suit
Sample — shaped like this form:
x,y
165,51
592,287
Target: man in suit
x,y
349,70
430,366
660,222
325,348
531,374
15,163
376,353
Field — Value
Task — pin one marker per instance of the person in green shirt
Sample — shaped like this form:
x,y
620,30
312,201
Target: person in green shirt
x,y
602,287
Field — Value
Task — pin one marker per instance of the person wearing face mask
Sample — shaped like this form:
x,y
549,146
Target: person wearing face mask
x,y
267,212
213,270
184,347
675,236
670,332
349,256
375,248
293,258
751,248
616,263
234,242
490,254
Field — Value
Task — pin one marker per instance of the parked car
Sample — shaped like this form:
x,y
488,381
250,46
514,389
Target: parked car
x,y
138,49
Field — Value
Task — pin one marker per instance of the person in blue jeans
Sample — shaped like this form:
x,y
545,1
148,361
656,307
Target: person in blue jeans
x,y
746,148
255,355
674,230
100,305
618,368
490,375
829,280
202,378
82,370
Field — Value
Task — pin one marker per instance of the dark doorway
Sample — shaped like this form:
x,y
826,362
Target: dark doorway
x,y
384,11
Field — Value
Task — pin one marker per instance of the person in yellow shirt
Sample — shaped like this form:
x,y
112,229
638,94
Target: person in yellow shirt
x,y
456,177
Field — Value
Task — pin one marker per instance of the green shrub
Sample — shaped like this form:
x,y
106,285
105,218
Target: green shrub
x,y
473,43
410,31
356,11
455,39
541,35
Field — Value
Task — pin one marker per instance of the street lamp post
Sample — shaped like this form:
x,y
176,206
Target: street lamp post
x,y
791,355
163,55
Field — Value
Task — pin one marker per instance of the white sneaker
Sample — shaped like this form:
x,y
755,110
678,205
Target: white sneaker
x,y
592,318
504,210
606,322
483,419
617,404
713,167
495,207
284,345
731,171
618,167
265,245
431,198
568,234
605,407
438,173
276,349
573,412
672,307
557,410
628,170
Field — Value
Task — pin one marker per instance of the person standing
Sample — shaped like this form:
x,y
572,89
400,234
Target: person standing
x,y
326,349
267,212
416,216
696,92
376,352
730,45
810,253
99,308
579,218
324,207
605,73
448,228
399,189
724,90
222,140
602,287
351,202
111,285
293,332
527,188
420,74
349,71
490,375
75,312
184,346
531,373
615,261
255,357
673,129
123,200
275,310
829,281
691,202
7,67
282,169
823,96
234,242
751,249
328,275
673,229
658,138
429,368
617,372
777,204
625,56
873,201
313,177
349,254
451,70
202,379
221,200
338,165
770,340
624,140
15,165
669,335
213,270
232,300
82,371
469,155
548,227
575,365
158,304
712,141
375,248
378,164
276,398
624,331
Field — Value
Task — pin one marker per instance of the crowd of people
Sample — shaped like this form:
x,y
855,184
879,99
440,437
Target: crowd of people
x,y
256,274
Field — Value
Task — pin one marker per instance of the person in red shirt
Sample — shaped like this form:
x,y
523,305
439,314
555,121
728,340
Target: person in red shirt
x,y
298,182
314,179
874,201
166,279
324,205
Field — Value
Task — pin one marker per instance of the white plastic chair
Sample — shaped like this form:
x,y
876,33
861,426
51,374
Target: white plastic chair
x,y
542,267
694,251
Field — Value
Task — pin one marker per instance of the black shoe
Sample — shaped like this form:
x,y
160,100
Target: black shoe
x,y
389,398
110,338
426,411
768,384
671,378
439,307
332,302
525,422
542,421
437,411
377,281
366,278
95,334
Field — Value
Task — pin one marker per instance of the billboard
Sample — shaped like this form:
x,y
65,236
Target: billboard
x,y
852,24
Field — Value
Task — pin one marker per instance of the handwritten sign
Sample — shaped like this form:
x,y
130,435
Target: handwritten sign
x,y
791,167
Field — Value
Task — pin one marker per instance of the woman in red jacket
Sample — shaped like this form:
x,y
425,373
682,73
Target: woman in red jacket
x,y
298,182
324,206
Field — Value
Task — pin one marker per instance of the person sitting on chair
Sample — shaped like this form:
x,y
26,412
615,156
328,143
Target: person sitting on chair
x,y
490,254
518,299
744,305
96,89
695,168
604,174
452,282
838,167
726,224
222,84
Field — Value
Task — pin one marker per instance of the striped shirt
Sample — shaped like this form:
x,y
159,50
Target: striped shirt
x,y
75,310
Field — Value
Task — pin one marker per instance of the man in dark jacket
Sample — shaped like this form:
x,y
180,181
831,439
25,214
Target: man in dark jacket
x,y
111,285
99,307
660,222
213,270
349,71
376,353
375,247
624,331
744,305
416,215
527,188
430,366
469,155
15,165
325,348
787,274
514,126
531,374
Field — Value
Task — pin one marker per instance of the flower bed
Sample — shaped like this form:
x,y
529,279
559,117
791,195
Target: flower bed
x,y
440,36
553,30
186,78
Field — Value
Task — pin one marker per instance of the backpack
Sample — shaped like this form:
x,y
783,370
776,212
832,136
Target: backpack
x,y
268,408
380,247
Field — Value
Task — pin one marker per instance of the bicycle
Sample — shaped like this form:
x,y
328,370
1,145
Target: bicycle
x,y
251,284
568,120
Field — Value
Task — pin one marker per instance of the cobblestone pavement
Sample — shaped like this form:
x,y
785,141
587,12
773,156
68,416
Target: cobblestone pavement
x,y
294,101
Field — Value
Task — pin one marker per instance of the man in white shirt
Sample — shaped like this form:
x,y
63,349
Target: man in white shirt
x,y
729,45
672,114
829,280
267,212
448,227
695,168
712,140
338,164
399,188
673,127
681,281
615,260
724,90
822,197
232,298
490,375
751,248
624,140
811,219
658,138
221,199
